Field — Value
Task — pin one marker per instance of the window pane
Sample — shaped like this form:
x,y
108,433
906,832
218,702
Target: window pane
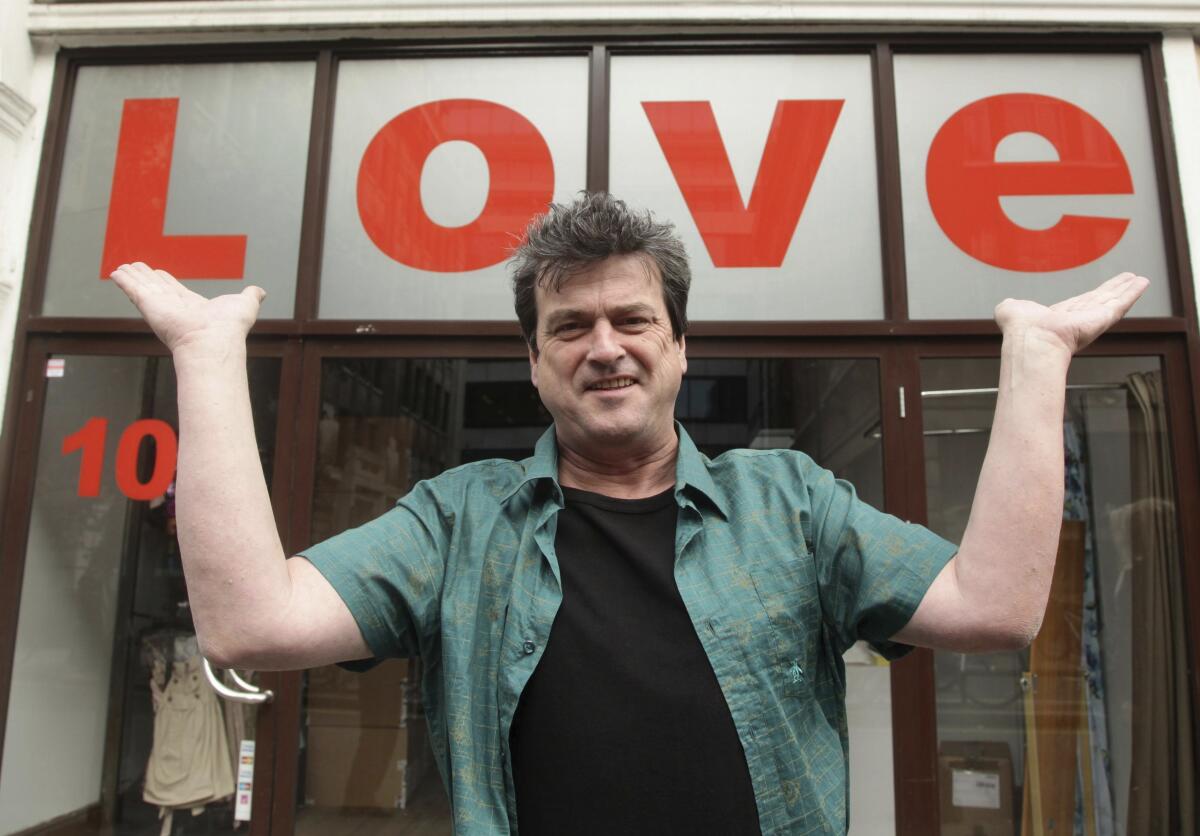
x,y
197,169
989,212
728,147
1082,726
109,716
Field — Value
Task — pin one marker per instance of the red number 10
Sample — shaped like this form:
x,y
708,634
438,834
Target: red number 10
x,y
90,439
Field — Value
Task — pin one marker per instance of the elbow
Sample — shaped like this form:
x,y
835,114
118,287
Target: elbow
x,y
252,648
1011,634
220,651
1015,638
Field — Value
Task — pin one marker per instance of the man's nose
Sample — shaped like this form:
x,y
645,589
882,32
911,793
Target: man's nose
x,y
605,346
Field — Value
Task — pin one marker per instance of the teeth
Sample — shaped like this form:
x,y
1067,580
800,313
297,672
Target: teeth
x,y
619,383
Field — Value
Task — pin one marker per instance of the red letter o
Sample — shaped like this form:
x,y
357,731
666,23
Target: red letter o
x,y
521,175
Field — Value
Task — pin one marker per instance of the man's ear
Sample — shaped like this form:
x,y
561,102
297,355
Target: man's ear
x,y
533,361
683,353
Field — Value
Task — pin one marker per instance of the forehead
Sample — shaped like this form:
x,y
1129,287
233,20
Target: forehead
x,y
618,281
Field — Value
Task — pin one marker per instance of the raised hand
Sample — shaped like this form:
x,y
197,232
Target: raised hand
x,y
183,319
1076,322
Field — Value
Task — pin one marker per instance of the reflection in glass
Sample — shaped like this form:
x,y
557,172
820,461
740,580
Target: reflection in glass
x,y
1089,730
110,721
385,423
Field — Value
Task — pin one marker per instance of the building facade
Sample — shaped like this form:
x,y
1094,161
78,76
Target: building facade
x,y
857,186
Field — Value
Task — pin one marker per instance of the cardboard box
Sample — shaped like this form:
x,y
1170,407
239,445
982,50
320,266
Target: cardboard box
x,y
379,698
975,784
357,768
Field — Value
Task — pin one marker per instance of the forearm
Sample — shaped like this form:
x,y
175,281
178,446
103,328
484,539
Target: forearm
x,y
1006,561
233,560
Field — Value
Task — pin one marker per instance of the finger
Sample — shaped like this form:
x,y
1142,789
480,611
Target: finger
x,y
1118,285
1111,290
1132,291
171,285
128,279
136,273
165,279
143,269
1119,304
256,293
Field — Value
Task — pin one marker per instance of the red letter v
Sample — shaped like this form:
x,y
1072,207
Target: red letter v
x,y
737,234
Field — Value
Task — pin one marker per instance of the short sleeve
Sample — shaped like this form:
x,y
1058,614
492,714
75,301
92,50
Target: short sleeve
x,y
872,568
390,572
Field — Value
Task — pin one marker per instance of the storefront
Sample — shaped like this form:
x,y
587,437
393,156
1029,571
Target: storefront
x,y
854,206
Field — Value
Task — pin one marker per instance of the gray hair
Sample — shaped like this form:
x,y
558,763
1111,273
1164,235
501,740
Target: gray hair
x,y
571,237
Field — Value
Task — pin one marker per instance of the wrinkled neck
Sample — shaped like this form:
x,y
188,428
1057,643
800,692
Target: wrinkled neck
x,y
621,474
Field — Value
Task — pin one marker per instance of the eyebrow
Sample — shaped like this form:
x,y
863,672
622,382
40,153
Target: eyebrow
x,y
567,314
561,315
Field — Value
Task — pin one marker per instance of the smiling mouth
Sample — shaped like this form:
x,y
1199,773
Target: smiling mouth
x,y
615,383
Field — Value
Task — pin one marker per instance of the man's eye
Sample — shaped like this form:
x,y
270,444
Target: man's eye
x,y
566,328
636,321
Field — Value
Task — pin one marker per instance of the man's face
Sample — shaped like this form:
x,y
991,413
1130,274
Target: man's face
x,y
608,368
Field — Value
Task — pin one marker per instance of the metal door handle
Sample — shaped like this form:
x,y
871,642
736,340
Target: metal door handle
x,y
253,694
243,684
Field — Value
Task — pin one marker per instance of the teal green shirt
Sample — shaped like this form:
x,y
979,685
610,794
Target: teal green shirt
x,y
780,566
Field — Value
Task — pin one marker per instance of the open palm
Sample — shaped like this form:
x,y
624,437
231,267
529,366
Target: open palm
x,y
181,317
1077,321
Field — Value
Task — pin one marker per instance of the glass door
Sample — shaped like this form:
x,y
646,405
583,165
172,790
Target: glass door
x,y
1089,730
364,758
115,724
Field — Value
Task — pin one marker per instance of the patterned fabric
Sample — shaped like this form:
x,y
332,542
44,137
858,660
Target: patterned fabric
x,y
1075,507
780,566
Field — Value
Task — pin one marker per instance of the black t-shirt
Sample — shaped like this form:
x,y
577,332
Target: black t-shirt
x,y
623,729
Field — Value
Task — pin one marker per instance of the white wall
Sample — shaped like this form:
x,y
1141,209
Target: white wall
x,y
24,80
1181,60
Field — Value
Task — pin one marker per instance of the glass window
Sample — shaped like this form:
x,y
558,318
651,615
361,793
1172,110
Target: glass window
x,y
197,169
109,716
437,166
1029,176
1088,730
766,164
387,422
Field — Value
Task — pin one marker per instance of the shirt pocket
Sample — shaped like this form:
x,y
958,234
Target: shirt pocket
x,y
786,590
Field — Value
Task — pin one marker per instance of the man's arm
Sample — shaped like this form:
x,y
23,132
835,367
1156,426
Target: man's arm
x,y
992,594
251,607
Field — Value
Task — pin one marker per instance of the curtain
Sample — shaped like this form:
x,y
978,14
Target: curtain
x,y
1162,778
1075,507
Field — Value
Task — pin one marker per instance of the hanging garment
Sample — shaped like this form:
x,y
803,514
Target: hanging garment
x,y
1076,507
1162,796
189,762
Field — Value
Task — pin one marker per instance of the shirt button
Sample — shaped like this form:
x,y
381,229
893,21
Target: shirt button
x,y
528,647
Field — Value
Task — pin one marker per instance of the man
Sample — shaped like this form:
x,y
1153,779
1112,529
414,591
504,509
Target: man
x,y
620,635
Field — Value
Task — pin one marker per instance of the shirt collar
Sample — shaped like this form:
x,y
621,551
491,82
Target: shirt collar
x,y
691,468
691,471
543,464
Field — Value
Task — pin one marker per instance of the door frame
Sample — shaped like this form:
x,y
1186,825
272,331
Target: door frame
x,y
920,797
15,532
